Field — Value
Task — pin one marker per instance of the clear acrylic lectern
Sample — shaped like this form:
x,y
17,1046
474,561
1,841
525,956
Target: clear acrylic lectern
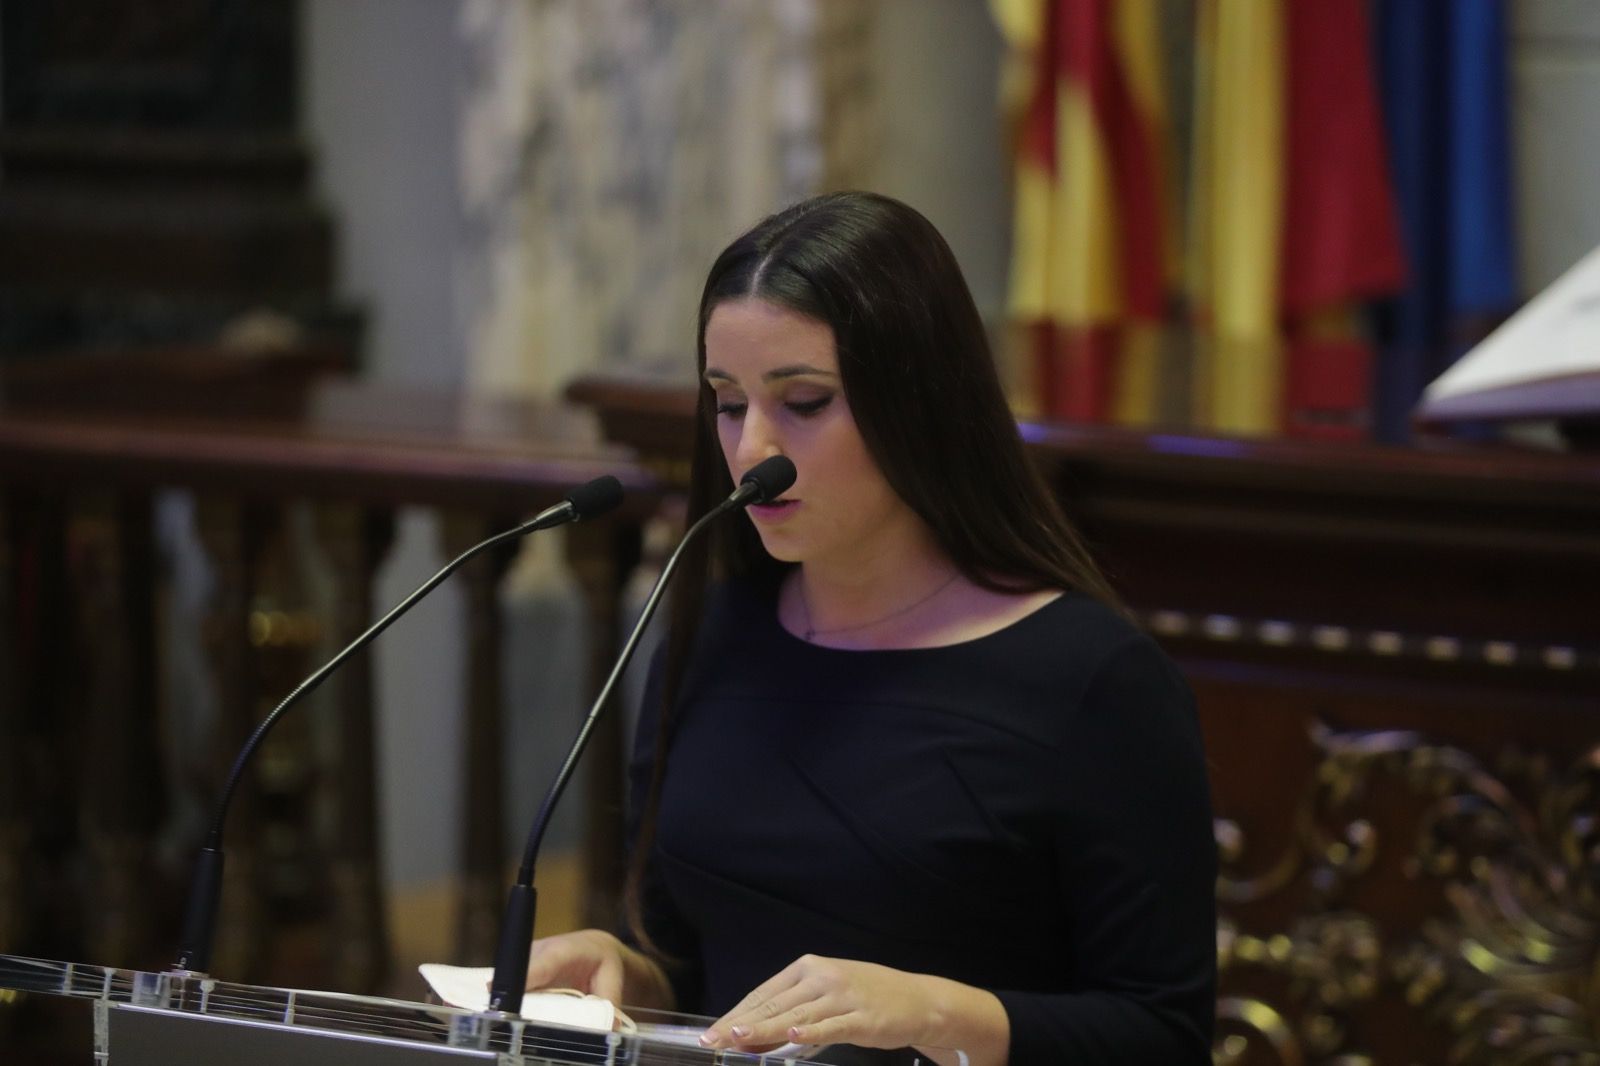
x,y
176,1019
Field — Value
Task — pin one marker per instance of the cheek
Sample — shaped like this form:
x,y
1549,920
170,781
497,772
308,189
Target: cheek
x,y
876,496
848,466
728,439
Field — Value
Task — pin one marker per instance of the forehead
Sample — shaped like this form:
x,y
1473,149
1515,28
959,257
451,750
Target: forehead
x,y
749,338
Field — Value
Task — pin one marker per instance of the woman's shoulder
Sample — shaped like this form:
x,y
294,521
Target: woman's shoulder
x,y
1126,684
1073,656
1071,631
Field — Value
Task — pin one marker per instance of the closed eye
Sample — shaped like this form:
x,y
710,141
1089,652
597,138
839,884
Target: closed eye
x,y
803,408
807,408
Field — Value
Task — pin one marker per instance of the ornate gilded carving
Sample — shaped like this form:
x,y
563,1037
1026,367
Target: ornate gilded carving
x,y
1330,963
1236,887
1238,1016
1506,967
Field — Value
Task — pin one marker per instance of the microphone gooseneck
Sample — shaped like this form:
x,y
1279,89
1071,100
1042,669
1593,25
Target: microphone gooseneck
x,y
588,500
765,481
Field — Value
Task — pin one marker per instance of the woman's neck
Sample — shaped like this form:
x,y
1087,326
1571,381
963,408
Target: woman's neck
x,y
872,594
906,594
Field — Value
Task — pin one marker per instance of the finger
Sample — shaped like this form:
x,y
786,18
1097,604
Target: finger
x,y
545,964
540,967
607,983
780,982
772,1026
847,1028
749,1009
791,977
763,1011
735,1025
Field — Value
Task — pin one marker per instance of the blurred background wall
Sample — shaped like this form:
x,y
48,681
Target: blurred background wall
x,y
1555,51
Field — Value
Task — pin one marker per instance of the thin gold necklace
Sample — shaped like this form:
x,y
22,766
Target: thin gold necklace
x,y
811,632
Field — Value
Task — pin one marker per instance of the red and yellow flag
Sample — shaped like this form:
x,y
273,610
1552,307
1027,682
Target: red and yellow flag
x,y
1235,203
1093,243
1290,215
1341,219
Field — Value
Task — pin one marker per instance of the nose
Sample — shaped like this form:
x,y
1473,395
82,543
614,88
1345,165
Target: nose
x,y
758,439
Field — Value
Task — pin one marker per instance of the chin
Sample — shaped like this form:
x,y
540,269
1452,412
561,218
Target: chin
x,y
780,549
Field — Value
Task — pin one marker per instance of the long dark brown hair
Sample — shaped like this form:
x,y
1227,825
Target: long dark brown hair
x,y
921,383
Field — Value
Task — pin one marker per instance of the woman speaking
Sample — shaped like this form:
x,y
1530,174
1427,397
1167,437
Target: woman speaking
x,y
906,777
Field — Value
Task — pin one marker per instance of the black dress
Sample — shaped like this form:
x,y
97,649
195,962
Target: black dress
x,y
1026,812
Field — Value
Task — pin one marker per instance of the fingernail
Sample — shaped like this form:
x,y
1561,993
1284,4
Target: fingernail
x,y
794,1034
740,1032
710,1038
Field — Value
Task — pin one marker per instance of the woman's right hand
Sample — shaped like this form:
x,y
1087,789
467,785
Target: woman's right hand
x,y
594,961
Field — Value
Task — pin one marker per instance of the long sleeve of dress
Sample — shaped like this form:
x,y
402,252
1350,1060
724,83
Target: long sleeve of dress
x,y
1138,866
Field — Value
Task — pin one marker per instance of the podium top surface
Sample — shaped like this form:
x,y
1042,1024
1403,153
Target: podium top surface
x,y
180,1007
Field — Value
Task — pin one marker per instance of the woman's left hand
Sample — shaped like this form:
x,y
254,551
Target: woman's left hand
x,y
817,1000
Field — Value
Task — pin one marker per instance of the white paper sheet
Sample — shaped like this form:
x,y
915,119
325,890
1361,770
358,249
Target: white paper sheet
x,y
468,988
1545,359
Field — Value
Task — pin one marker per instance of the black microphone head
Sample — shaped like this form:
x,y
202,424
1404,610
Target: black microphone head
x,y
595,498
771,478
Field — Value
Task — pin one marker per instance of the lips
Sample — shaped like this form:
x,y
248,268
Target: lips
x,y
777,507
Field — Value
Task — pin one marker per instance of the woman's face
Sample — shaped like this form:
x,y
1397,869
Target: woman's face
x,y
775,373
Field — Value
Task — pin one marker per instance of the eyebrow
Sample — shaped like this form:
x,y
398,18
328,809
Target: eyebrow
x,y
793,370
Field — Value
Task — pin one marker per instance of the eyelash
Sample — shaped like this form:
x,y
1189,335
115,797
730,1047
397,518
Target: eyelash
x,y
804,408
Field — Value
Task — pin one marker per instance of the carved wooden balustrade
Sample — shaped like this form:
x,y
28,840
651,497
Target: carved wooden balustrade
x,y
79,720
1396,656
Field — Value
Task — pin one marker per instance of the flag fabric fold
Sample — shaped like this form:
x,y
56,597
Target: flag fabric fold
x,y
1443,75
1092,245
1247,219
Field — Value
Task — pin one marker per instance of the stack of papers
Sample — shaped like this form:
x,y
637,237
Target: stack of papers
x,y
1542,363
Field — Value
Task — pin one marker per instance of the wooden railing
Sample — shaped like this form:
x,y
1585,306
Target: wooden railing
x,y
79,722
